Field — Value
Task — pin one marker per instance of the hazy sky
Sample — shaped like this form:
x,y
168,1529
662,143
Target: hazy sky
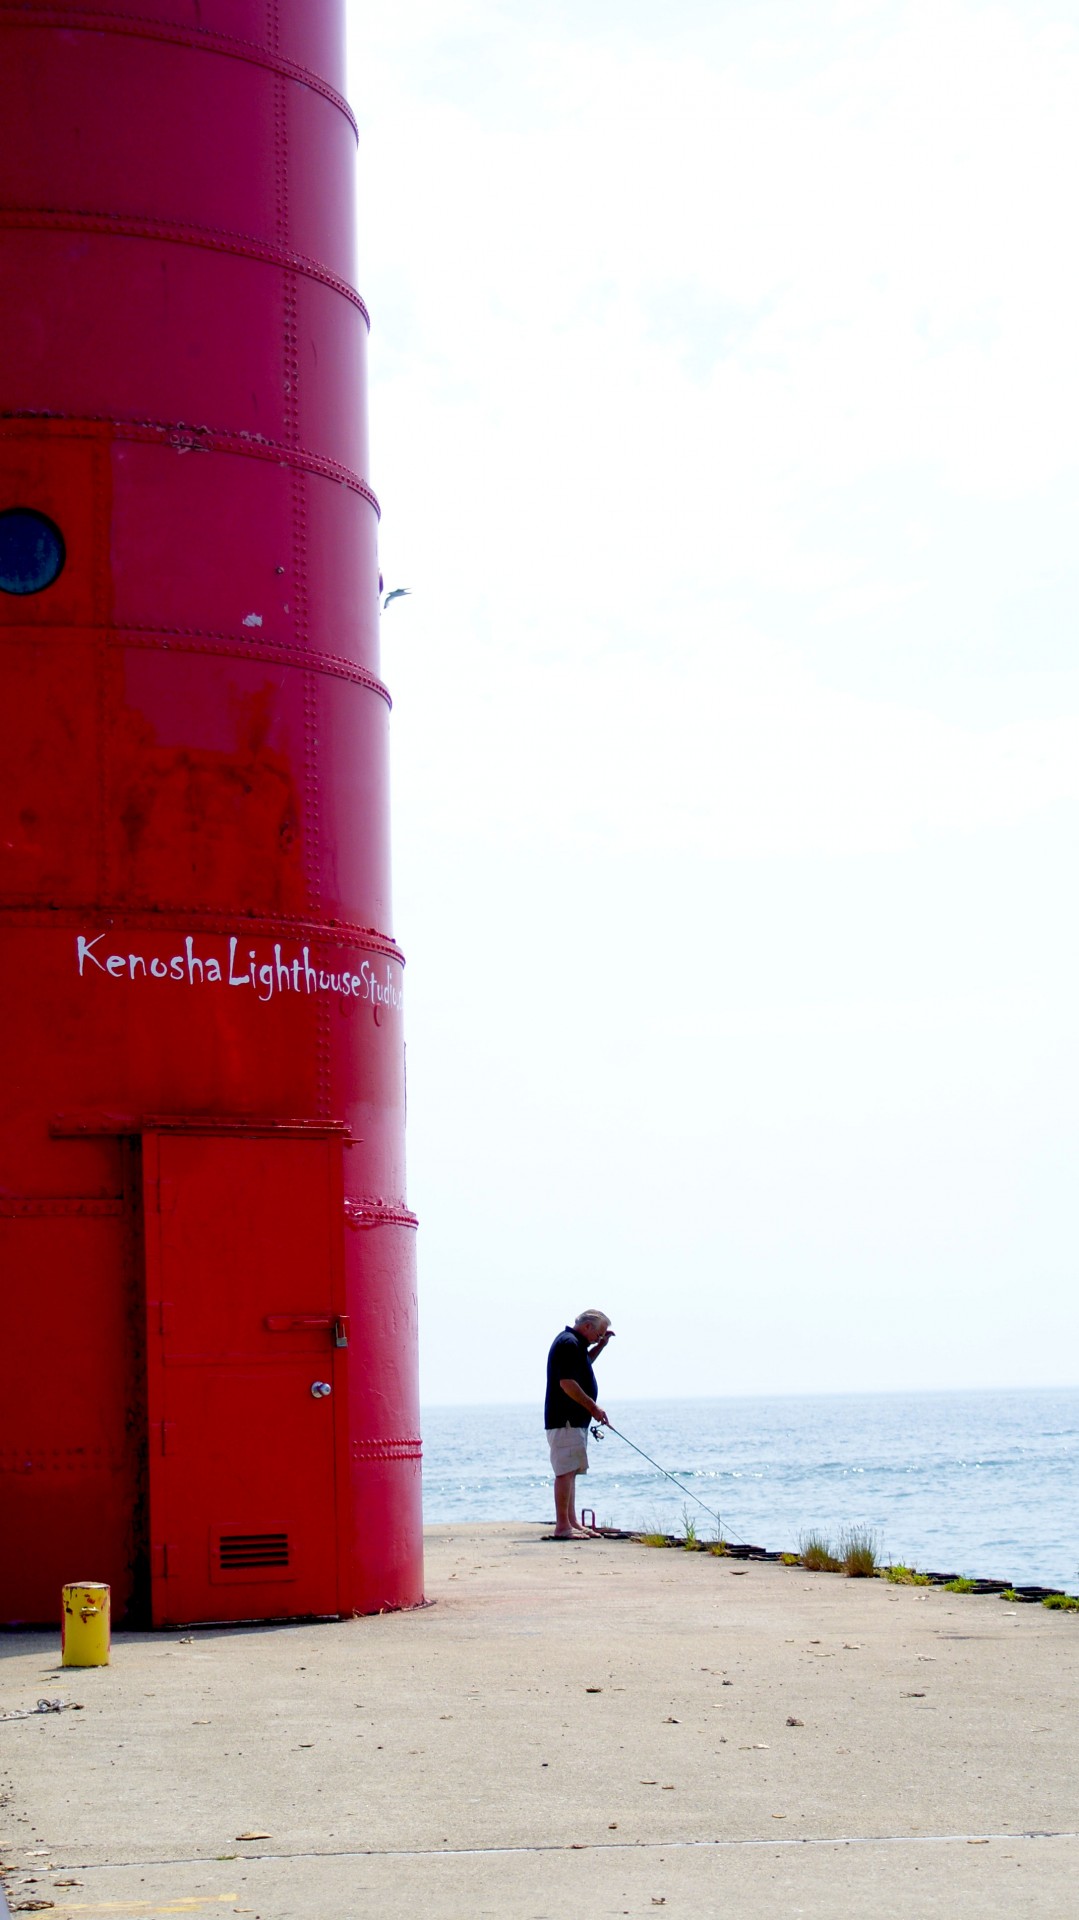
x,y
725,420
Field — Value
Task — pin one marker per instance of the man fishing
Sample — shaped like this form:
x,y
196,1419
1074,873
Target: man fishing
x,y
570,1405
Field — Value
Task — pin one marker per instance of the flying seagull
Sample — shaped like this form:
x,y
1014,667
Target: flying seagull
x,y
395,593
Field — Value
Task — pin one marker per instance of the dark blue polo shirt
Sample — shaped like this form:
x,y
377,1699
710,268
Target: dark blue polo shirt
x,y
568,1360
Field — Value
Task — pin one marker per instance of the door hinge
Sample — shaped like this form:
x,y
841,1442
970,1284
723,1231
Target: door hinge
x,y
165,1560
168,1436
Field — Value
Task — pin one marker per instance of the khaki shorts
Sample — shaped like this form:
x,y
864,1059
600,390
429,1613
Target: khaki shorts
x,y
569,1449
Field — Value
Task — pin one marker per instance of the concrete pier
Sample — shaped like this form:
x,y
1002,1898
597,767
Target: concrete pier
x,y
595,1727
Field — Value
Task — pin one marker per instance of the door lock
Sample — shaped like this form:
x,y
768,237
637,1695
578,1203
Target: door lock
x,y
320,1389
303,1322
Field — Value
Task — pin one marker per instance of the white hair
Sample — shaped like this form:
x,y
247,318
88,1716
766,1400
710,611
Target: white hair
x,y
593,1318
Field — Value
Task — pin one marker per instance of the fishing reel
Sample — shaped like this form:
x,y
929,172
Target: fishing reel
x,y
598,1433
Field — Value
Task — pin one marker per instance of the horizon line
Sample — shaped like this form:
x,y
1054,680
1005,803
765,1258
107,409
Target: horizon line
x,y
838,1393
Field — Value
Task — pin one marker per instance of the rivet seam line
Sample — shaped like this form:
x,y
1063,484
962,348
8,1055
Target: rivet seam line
x,y
198,39
363,1214
204,439
410,1449
333,665
176,918
243,246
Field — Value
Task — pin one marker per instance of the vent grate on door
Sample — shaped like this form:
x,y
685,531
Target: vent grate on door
x,y
253,1550
251,1556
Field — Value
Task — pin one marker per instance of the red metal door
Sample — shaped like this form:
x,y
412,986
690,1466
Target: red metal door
x,y
246,1350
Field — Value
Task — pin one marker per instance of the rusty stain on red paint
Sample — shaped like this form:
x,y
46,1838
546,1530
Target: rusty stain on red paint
x,y
217,826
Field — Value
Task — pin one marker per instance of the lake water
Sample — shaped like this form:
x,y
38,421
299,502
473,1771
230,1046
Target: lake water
x,y
982,1484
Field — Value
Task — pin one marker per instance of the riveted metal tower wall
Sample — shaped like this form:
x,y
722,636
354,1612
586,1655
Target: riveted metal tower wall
x,y
206,1261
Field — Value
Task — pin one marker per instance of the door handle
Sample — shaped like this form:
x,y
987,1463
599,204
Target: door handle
x,y
337,1323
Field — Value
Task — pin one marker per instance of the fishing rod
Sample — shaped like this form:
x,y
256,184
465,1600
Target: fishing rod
x,y
598,1434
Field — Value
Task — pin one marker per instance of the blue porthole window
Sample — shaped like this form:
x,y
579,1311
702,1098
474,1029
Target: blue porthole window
x,y
32,551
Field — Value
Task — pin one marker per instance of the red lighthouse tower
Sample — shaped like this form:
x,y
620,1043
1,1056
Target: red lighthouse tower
x,y
206,1260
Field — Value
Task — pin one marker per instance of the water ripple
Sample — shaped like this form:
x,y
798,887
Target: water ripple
x,y
975,1483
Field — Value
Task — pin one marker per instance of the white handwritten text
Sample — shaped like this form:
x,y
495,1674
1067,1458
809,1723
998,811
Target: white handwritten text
x,y
264,978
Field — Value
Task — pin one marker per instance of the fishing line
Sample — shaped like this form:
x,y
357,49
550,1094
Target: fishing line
x,y
598,1433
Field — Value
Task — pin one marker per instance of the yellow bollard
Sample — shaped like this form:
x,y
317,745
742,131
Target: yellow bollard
x,y
84,1625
